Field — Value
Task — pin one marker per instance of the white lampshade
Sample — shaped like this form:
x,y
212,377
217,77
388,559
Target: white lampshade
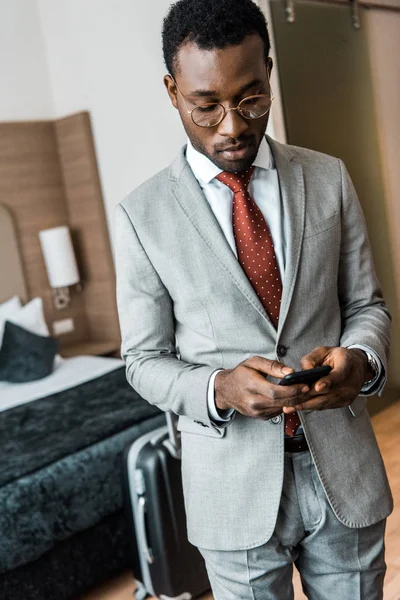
x,y
59,257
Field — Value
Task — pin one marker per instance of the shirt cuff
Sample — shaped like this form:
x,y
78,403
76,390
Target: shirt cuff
x,y
214,413
373,386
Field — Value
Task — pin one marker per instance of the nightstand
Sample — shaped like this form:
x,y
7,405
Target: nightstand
x,y
93,348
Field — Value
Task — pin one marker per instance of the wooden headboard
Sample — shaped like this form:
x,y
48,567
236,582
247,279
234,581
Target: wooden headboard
x,y
49,177
11,270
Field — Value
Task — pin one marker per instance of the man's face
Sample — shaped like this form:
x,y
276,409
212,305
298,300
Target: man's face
x,y
227,76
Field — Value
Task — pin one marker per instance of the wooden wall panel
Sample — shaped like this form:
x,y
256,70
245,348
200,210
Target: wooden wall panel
x,y
49,177
12,278
31,186
88,224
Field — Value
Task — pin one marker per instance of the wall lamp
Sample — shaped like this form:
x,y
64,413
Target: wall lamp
x,y
60,261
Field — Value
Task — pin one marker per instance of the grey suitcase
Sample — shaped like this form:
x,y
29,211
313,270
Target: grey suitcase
x,y
165,563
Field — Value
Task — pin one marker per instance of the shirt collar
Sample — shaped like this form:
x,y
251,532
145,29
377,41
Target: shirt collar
x,y
205,170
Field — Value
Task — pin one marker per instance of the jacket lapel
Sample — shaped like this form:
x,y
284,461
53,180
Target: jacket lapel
x,y
291,182
194,205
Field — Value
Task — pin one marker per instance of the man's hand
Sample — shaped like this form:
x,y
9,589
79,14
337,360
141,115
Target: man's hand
x,y
246,389
342,385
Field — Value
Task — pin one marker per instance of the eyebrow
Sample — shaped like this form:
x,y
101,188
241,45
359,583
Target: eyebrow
x,y
214,93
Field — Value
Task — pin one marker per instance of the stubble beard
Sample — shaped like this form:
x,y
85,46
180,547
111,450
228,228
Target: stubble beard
x,y
217,158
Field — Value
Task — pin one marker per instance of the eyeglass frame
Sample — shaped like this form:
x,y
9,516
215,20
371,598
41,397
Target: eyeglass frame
x,y
190,112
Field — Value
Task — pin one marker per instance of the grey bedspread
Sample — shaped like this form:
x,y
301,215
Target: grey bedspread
x,y
60,463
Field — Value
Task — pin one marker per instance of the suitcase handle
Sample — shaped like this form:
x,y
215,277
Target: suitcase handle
x,y
142,530
173,444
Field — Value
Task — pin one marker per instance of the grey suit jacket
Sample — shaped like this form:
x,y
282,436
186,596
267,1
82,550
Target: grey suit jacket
x,y
186,308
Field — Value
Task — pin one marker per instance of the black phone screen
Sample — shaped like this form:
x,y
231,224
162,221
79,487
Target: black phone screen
x,y
308,376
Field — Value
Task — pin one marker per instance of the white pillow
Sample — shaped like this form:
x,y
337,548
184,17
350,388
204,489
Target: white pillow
x,y
31,317
10,306
7,309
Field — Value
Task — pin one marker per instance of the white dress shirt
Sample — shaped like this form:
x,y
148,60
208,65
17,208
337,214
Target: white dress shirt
x,y
264,190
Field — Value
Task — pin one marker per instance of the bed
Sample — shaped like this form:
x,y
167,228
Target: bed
x,y
63,529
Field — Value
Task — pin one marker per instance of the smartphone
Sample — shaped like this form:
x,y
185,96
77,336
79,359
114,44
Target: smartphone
x,y
308,376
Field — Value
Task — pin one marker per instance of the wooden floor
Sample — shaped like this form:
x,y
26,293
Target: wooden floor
x,y
387,427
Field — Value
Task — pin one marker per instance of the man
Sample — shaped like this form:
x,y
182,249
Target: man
x,y
242,261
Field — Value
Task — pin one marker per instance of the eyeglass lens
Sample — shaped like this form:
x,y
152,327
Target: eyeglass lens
x,y
210,115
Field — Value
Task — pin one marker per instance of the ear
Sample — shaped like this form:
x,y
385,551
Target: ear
x,y
171,89
270,64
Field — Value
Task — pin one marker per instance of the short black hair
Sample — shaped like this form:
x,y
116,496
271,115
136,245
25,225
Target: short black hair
x,y
211,24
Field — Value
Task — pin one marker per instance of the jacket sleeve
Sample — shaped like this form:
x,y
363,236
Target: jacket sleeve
x,y
146,318
365,317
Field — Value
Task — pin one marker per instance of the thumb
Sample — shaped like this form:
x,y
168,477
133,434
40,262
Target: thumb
x,y
274,368
315,358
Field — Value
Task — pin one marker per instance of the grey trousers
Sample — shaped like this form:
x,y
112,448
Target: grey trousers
x,y
334,561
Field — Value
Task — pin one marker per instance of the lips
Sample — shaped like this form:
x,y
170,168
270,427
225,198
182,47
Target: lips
x,y
236,152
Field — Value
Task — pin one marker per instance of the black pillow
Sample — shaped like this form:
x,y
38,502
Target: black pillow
x,y
25,356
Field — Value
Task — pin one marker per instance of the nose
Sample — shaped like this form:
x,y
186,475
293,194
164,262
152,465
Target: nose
x,y
233,125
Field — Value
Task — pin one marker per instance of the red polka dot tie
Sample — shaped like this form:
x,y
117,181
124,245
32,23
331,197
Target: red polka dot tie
x,y
256,254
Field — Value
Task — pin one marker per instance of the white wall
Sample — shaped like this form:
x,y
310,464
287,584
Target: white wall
x,y
276,124
25,91
106,57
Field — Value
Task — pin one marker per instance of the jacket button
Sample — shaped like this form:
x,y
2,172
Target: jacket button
x,y
281,350
276,420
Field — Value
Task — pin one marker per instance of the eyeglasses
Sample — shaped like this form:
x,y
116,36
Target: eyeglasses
x,y
211,114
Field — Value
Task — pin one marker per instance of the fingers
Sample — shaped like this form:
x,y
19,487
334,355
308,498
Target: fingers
x,y
333,399
274,368
277,395
337,389
336,357
286,395
315,358
262,405
340,361
323,385
317,403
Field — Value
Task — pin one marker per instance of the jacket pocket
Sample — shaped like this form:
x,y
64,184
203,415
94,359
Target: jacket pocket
x,y
187,425
320,226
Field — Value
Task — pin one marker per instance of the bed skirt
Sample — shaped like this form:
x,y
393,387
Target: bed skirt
x,y
73,567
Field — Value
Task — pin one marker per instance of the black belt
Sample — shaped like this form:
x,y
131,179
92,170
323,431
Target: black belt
x,y
297,443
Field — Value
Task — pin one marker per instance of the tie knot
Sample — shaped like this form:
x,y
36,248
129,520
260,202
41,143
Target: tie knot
x,y
236,181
